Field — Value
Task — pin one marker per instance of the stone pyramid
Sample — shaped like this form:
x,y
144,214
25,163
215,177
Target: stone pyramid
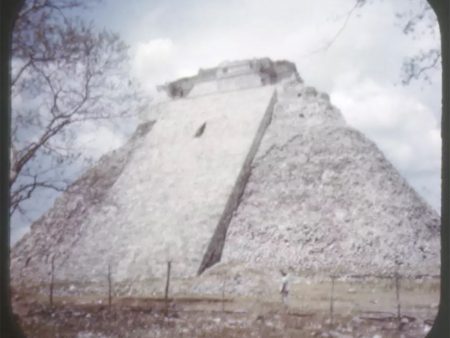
x,y
243,164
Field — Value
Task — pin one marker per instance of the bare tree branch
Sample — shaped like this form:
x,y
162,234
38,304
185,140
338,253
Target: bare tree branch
x,y
25,191
418,66
333,39
71,74
420,22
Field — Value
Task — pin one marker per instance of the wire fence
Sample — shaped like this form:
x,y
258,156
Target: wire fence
x,y
390,297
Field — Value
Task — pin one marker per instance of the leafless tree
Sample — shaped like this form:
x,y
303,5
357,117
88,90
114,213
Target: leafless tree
x,y
422,22
414,23
64,74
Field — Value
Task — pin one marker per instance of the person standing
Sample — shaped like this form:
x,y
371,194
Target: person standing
x,y
284,286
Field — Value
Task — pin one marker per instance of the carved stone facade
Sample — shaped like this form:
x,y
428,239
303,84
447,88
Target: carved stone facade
x,y
229,76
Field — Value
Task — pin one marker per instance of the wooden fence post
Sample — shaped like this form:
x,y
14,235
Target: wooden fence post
x,y
166,292
52,280
223,295
397,293
332,300
109,286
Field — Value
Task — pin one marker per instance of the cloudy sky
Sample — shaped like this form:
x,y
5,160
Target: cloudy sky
x,y
361,69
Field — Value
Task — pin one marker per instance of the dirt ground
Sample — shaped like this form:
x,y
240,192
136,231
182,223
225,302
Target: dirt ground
x,y
352,309
151,318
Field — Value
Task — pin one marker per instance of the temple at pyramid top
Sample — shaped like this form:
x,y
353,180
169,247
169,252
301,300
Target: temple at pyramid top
x,y
229,76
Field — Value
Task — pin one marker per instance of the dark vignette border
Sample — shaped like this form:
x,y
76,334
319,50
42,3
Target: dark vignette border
x,y
9,326
441,326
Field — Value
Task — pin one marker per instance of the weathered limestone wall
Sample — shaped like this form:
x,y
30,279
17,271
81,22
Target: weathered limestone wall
x,y
215,247
204,88
226,84
240,82
230,76
171,195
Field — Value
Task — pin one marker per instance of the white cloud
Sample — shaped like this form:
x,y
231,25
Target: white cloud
x,y
95,140
404,128
392,118
154,61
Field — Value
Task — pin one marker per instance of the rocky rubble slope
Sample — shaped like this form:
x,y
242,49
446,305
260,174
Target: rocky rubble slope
x,y
323,199
60,228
